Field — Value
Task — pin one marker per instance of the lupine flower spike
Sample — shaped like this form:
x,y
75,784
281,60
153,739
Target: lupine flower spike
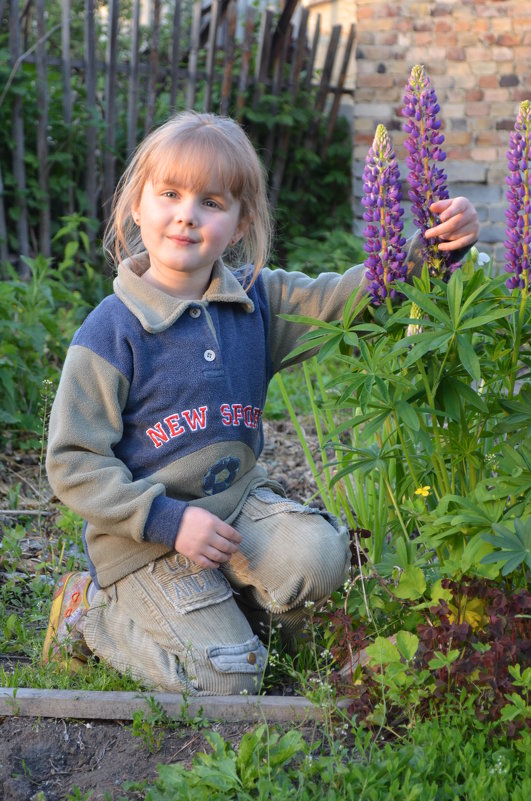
x,y
518,215
427,181
415,314
384,242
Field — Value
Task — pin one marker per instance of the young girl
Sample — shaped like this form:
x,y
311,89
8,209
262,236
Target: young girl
x,y
156,428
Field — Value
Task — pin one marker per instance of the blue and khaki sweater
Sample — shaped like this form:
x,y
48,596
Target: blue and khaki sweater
x,y
160,404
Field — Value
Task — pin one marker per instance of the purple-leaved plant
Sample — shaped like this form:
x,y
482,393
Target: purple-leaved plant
x,y
383,213
423,143
518,215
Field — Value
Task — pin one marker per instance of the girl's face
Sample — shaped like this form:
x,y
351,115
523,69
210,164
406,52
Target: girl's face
x,y
184,231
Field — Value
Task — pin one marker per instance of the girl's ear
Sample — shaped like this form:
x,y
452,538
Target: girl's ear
x,y
240,231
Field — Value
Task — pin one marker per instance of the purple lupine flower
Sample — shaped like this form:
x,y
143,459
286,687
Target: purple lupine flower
x,y
383,214
427,181
518,232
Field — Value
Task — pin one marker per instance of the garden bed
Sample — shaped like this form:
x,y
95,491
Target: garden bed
x,y
99,749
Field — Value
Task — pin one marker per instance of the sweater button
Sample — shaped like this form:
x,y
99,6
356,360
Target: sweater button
x,y
194,312
251,658
209,355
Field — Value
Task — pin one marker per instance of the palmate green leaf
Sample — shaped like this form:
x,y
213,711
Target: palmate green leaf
x,y
407,414
519,412
329,347
408,644
468,357
465,392
478,322
411,585
368,459
352,312
382,652
423,344
455,294
425,303
514,547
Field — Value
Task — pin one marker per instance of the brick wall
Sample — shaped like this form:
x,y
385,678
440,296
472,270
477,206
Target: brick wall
x,y
478,56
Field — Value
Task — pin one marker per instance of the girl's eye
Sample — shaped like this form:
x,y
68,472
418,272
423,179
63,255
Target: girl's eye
x,y
211,204
170,194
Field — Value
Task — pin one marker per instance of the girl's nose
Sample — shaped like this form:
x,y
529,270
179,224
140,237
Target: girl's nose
x,y
186,213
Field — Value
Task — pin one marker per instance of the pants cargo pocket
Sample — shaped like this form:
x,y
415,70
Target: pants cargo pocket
x,y
245,657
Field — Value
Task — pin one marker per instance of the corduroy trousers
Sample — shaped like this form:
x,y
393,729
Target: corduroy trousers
x,y
179,627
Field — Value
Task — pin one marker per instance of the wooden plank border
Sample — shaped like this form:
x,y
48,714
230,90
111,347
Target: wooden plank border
x,y
114,705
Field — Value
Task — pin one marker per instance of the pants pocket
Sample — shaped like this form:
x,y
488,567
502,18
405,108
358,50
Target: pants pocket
x,y
245,657
263,503
187,586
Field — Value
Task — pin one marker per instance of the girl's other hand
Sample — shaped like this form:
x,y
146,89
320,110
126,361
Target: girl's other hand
x,y
206,539
458,226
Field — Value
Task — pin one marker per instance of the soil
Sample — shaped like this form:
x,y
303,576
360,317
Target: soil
x,y
47,759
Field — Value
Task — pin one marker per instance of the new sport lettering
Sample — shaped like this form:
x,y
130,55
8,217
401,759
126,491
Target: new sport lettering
x,y
235,414
192,421
195,419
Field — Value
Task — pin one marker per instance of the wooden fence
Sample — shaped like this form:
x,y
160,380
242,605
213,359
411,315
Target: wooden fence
x,y
193,57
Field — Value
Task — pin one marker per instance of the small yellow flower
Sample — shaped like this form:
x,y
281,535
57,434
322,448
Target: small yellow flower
x,y
424,491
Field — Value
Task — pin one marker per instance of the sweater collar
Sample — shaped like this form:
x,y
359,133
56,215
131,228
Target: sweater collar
x,y
156,310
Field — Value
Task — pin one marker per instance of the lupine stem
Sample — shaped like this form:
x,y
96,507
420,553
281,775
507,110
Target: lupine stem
x,y
438,463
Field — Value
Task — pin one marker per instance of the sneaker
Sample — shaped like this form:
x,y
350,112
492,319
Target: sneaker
x,y
64,643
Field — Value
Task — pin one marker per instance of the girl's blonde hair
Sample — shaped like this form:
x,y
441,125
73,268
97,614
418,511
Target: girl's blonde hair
x,y
197,151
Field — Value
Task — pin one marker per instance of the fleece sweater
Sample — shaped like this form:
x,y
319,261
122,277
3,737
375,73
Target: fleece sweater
x,y
161,399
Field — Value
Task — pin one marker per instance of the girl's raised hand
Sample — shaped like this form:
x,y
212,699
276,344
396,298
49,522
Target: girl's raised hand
x,y
206,539
458,226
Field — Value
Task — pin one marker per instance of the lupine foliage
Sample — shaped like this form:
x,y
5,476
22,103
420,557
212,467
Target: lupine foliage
x,y
426,430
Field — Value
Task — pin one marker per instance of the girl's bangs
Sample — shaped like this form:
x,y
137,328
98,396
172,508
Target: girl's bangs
x,y
198,164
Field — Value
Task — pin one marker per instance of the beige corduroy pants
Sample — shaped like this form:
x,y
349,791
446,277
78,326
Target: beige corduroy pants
x,y
182,628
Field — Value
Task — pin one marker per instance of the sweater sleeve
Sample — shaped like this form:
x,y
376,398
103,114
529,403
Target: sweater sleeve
x,y
322,298
85,424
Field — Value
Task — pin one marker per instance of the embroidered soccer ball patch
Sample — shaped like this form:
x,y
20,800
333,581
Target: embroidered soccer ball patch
x,y
221,475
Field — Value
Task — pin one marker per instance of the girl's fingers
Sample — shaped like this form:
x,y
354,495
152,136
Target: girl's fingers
x,y
228,533
223,545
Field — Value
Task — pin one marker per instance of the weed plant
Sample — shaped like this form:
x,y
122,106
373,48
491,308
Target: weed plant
x,y
446,759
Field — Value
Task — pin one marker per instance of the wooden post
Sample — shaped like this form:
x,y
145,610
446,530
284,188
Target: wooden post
x,y
4,253
109,158
67,89
90,90
19,171
193,56
211,53
284,141
175,55
226,87
313,53
276,90
132,97
67,65
324,84
42,133
245,62
338,92
153,68
262,56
